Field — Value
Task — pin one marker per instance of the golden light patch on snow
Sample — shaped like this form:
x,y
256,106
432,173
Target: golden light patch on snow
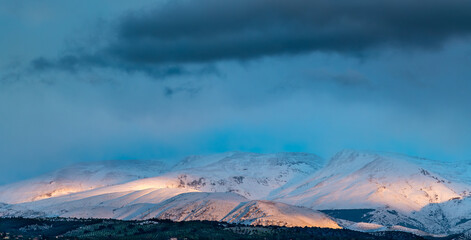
x,y
279,214
57,193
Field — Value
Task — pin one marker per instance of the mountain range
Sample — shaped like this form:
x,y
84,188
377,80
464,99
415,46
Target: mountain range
x,y
357,190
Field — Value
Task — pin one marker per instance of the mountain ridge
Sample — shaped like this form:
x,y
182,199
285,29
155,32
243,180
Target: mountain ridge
x,y
403,192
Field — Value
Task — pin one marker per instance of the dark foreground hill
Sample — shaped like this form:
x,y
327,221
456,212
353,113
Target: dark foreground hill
x,y
61,228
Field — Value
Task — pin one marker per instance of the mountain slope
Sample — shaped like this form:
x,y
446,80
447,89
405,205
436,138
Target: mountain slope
x,y
278,214
226,207
252,175
78,178
184,207
359,180
401,191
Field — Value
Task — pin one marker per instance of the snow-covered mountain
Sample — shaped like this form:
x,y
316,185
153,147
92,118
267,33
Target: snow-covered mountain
x,y
255,176
386,191
400,189
246,173
120,190
369,180
78,178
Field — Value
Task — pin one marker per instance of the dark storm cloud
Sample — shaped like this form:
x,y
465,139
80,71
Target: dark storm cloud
x,y
209,30
69,63
73,63
183,31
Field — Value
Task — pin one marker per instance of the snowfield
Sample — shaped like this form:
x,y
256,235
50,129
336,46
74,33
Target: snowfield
x,y
286,189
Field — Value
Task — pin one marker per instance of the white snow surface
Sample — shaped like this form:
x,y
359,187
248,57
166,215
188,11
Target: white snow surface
x,y
407,193
362,180
259,212
79,177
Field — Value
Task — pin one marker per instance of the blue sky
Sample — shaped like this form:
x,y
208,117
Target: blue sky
x,y
90,81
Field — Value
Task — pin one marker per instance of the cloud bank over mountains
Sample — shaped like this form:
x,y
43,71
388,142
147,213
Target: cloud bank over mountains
x,y
174,78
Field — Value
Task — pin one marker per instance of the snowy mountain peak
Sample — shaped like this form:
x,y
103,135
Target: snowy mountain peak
x,y
248,158
349,157
356,157
270,189
375,163
194,161
358,180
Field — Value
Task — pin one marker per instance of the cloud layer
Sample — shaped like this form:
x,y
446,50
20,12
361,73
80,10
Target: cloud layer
x,y
184,31
210,30
248,75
